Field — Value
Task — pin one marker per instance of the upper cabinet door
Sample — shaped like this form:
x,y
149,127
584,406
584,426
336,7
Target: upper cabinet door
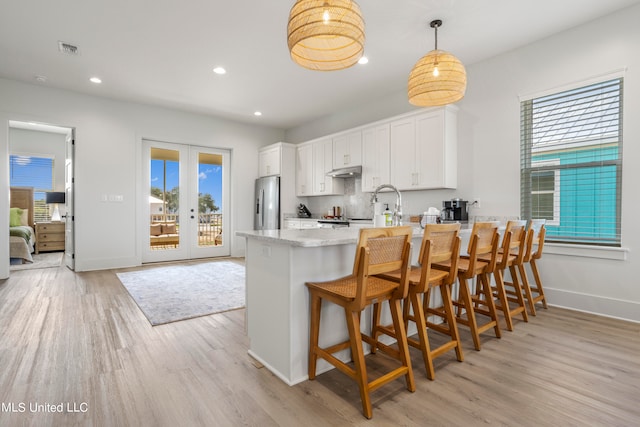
x,y
269,161
403,154
321,165
424,154
436,149
375,157
324,185
304,170
347,150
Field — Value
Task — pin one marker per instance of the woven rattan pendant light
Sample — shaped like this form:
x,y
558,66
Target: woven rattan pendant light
x,y
325,35
438,78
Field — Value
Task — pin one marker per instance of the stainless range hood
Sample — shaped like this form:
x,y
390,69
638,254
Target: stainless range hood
x,y
349,172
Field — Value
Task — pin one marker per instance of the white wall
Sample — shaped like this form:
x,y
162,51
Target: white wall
x,y
489,148
612,43
388,106
108,156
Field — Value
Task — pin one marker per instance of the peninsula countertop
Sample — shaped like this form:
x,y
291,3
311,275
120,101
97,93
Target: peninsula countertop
x,y
313,237
316,237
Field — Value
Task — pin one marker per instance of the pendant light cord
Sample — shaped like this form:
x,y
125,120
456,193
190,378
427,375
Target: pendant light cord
x,y
436,28
435,24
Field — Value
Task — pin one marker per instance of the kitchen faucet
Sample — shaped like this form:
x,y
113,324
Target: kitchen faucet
x,y
397,211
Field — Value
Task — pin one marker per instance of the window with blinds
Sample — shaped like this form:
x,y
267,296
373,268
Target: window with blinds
x,y
571,163
36,172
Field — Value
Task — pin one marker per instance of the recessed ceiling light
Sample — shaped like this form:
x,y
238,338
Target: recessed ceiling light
x,y
363,60
219,70
95,80
257,113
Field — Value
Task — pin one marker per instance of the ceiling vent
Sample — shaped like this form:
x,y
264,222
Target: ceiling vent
x,y
67,48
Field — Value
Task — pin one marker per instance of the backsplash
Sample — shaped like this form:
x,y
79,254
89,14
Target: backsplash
x,y
356,204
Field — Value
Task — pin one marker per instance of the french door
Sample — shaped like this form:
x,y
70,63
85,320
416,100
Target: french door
x,y
185,202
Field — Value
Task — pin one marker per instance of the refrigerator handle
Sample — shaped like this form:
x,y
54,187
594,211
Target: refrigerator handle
x,y
259,203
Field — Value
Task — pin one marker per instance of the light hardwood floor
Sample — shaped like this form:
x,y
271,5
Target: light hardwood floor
x,y
79,338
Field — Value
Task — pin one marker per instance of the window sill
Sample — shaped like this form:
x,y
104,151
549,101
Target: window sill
x,y
586,251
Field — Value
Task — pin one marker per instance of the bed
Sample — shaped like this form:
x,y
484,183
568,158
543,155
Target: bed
x,y
22,237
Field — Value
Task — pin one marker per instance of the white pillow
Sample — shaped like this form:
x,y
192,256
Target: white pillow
x,y
24,217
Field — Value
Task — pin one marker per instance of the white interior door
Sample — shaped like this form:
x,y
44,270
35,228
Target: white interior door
x,y
69,241
185,202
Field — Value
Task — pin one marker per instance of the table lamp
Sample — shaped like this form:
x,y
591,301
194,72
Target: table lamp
x,y
54,198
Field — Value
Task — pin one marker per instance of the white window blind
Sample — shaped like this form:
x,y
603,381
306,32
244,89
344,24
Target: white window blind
x,y
37,172
571,163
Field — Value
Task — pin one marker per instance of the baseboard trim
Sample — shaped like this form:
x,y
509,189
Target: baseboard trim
x,y
594,304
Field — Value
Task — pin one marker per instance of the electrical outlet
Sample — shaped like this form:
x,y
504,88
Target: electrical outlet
x,y
476,203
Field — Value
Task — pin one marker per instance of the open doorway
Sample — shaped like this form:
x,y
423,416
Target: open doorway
x,y
41,167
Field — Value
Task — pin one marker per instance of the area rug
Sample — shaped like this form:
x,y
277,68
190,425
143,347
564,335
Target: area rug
x,y
43,260
180,292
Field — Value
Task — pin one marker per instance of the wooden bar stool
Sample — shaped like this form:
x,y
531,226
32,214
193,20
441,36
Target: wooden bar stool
x,y
510,256
535,237
379,251
440,243
483,243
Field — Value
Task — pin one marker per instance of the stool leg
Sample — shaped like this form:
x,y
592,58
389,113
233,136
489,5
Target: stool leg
x,y
406,312
471,316
488,294
518,289
316,303
527,289
403,347
353,325
421,325
374,329
445,292
502,296
536,276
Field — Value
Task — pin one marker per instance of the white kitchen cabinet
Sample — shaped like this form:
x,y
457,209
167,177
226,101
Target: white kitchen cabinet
x,y
402,157
300,223
291,224
424,154
375,157
437,142
312,164
269,161
347,150
324,185
304,170
280,159
308,223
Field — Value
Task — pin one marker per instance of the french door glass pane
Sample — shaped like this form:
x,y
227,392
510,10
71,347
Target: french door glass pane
x,y
164,199
209,199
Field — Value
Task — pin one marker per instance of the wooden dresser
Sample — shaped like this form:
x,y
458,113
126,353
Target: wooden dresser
x,y
49,236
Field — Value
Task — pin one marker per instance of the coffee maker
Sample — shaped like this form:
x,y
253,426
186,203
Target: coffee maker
x,y
454,210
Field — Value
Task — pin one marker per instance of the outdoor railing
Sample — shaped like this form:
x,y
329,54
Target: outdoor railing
x,y
209,226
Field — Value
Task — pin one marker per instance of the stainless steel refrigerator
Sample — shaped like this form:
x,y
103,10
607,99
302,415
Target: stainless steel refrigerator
x,y
267,203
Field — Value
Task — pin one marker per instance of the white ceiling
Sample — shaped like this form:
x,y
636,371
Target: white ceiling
x,y
162,52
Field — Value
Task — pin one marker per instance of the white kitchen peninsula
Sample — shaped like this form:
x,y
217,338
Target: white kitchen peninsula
x,y
278,263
